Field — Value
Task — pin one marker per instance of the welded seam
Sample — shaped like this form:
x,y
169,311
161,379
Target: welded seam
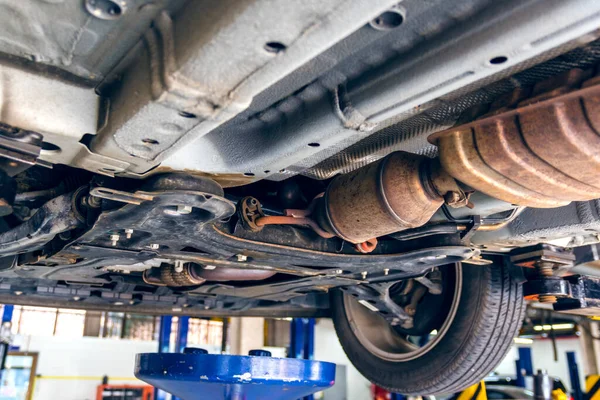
x,y
76,40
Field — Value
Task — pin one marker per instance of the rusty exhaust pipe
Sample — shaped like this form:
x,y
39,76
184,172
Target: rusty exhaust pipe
x,y
401,191
545,153
191,274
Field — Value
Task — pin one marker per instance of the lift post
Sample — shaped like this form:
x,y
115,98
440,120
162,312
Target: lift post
x,y
574,375
523,366
302,338
164,341
164,344
183,324
5,333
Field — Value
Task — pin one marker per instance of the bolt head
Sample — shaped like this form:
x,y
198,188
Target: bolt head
x,y
179,266
114,239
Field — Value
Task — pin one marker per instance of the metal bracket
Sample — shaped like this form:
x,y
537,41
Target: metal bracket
x,y
136,198
575,294
19,149
376,297
544,286
471,229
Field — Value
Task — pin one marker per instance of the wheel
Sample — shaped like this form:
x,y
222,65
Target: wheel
x,y
476,317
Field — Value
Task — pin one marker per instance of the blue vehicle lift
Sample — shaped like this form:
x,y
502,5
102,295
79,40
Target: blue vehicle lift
x,y
198,375
192,373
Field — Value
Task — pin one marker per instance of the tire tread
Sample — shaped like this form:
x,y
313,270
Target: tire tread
x,y
494,320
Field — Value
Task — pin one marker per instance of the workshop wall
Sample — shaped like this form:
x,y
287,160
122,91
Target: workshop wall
x,y
543,358
71,369
328,348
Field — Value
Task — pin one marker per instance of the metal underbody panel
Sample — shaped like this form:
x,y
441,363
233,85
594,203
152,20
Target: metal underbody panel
x,y
196,89
271,100
399,87
94,268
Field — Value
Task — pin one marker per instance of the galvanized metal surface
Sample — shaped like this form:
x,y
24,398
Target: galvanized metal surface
x,y
64,35
184,85
62,112
209,376
410,134
277,140
175,75
174,88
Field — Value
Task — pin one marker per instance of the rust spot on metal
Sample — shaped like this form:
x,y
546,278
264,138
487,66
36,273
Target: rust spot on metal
x,y
250,211
399,192
297,217
367,246
285,220
545,153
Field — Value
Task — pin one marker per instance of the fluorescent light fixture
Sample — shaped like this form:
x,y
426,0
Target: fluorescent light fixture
x,y
556,327
520,340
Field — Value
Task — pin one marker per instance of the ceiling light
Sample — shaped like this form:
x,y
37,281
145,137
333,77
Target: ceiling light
x,y
520,340
556,327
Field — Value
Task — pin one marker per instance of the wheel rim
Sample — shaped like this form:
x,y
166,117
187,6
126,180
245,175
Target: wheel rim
x,y
377,336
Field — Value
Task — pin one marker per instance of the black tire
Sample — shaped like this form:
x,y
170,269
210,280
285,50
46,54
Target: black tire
x,y
488,315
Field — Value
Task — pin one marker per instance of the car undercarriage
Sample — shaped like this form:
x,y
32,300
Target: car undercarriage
x,y
402,167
